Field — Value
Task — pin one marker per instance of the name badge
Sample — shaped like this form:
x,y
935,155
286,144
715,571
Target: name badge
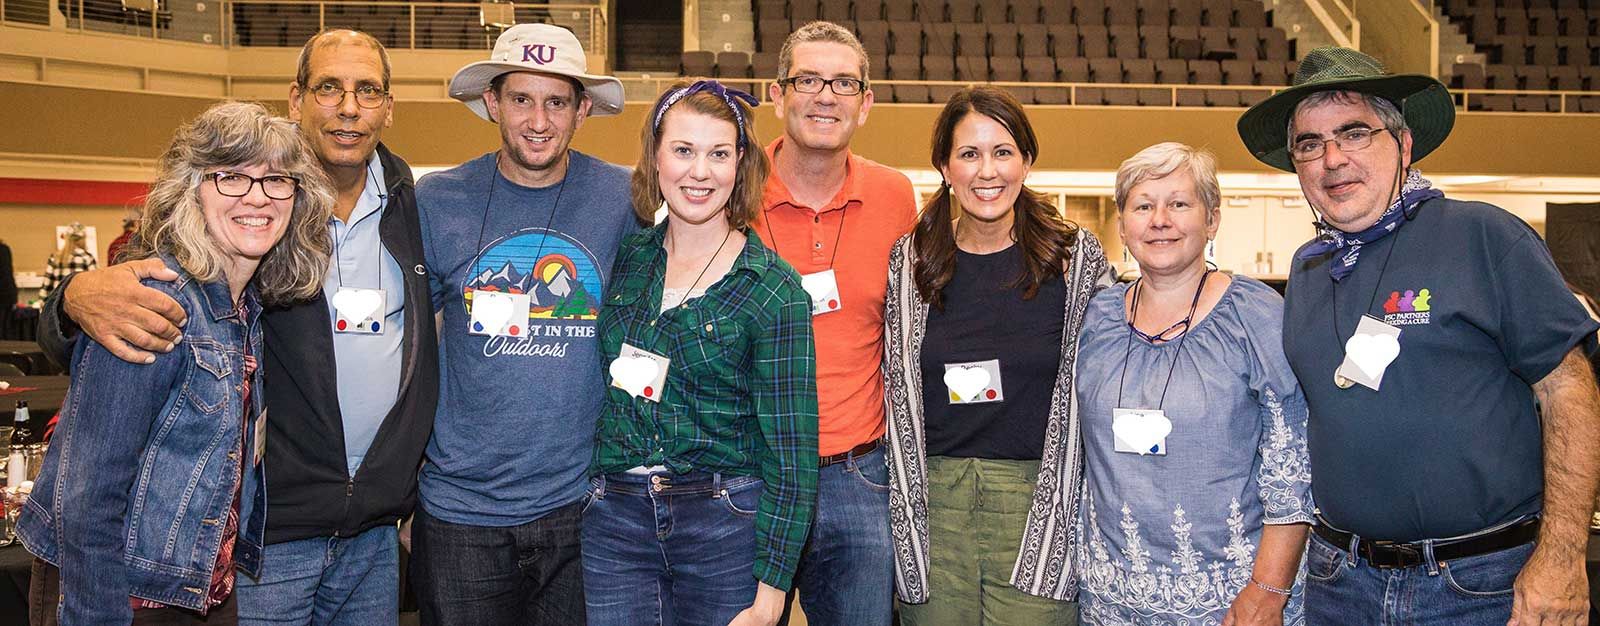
x,y
975,382
359,311
823,287
1367,354
641,373
260,447
1140,431
498,314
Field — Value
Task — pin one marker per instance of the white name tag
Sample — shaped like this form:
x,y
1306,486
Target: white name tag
x,y
499,314
823,288
641,373
260,447
1140,431
359,310
975,382
1368,353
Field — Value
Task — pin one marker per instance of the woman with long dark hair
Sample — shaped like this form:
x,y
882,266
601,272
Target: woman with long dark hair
x,y
985,299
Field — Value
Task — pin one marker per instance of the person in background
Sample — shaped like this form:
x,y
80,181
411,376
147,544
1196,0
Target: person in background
x,y
985,300
129,225
1197,489
150,500
710,423
8,284
73,257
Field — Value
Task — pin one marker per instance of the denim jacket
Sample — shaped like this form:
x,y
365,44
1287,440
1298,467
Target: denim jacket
x,y
135,490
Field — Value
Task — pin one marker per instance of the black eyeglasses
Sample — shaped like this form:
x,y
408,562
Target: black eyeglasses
x,y
843,86
236,185
332,95
1348,140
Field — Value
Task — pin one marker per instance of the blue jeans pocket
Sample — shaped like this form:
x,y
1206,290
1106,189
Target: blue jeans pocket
x,y
591,496
741,496
1486,575
872,470
1324,563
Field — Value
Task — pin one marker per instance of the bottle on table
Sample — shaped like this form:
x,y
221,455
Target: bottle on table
x,y
21,438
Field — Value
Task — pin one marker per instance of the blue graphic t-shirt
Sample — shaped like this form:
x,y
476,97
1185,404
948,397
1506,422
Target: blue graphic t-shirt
x,y
512,437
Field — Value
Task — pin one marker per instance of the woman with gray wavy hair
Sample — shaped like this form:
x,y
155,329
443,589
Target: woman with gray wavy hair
x,y
1196,495
168,453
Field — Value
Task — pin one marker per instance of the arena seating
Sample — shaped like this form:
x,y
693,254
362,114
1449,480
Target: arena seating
x,y
1530,45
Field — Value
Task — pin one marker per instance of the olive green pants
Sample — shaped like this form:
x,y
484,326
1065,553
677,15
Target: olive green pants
x,y
976,511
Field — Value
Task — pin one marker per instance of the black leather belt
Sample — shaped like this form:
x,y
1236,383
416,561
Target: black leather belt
x,y
858,451
1395,555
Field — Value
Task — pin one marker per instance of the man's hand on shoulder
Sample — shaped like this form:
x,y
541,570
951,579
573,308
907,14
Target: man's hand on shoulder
x,y
131,320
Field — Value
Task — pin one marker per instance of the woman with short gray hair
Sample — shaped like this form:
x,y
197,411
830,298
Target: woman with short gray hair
x,y
1196,495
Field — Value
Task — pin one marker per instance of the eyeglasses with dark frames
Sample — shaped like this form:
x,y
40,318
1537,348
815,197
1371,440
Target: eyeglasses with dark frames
x,y
1348,140
237,185
332,95
807,83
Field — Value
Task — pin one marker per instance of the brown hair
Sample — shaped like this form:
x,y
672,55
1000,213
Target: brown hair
x,y
1046,238
751,178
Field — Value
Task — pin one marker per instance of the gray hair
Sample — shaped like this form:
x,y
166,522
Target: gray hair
x,y
232,134
1393,120
302,73
1162,160
819,31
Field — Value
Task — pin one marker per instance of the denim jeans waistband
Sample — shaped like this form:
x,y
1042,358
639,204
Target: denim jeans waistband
x,y
666,482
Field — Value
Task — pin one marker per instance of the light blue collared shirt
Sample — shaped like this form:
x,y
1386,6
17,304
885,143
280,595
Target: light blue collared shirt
x,y
368,365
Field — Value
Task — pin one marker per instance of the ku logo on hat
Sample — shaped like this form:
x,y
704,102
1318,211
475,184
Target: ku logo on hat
x,y
538,53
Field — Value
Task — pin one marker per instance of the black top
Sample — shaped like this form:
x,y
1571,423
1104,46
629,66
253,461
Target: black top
x,y
984,318
1451,442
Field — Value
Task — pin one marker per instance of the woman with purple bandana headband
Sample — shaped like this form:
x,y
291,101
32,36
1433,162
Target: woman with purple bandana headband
x,y
704,473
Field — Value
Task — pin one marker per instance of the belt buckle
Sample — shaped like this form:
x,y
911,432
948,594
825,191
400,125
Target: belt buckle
x,y
1394,555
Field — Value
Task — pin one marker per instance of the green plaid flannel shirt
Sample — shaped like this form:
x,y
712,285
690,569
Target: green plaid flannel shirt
x,y
741,391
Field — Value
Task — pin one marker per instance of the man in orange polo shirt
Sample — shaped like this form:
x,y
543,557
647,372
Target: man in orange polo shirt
x,y
834,216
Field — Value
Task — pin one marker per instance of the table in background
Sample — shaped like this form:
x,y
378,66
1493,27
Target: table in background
x,y
44,396
27,356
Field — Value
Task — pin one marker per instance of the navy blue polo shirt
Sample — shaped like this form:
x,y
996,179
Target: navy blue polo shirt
x,y
1451,443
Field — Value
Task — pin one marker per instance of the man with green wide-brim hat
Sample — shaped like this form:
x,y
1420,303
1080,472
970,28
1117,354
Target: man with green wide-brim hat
x,y
1422,330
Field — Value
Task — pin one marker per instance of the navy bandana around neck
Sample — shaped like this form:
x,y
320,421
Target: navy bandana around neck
x,y
1413,192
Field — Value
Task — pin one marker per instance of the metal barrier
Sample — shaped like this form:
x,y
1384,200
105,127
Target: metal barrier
x,y
288,23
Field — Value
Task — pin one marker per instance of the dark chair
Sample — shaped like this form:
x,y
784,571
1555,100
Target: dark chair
x,y
962,11
907,67
1186,42
698,63
1022,12
733,64
1003,40
771,33
802,11
972,39
1043,70
1094,41
1249,14
1217,13
1089,12
772,10
938,39
1176,72
1272,73
1154,43
874,36
1124,41
1055,12
1143,72
1246,43
905,38
1064,41
1035,40
1275,45
939,68
764,65
972,69
838,11
899,10
1122,13
1155,12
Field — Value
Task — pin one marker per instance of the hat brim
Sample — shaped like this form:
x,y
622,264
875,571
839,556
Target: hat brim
x,y
1429,110
471,81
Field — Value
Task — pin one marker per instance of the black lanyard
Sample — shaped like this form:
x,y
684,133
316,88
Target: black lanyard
x,y
1185,322
338,268
837,237
493,176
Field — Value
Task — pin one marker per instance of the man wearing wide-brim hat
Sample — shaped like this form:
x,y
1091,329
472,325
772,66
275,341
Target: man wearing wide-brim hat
x,y
518,244
1424,330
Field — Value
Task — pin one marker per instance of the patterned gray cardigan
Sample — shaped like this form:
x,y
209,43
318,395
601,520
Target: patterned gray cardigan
x,y
1044,564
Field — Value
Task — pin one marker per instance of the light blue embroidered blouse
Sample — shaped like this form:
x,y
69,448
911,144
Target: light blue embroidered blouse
x,y
1172,539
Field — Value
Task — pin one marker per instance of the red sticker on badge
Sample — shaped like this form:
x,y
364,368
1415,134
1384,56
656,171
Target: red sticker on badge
x,y
341,324
514,330
833,304
649,391
989,394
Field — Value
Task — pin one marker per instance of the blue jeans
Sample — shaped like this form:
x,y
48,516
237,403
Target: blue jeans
x,y
846,573
681,551
344,581
1473,591
526,575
